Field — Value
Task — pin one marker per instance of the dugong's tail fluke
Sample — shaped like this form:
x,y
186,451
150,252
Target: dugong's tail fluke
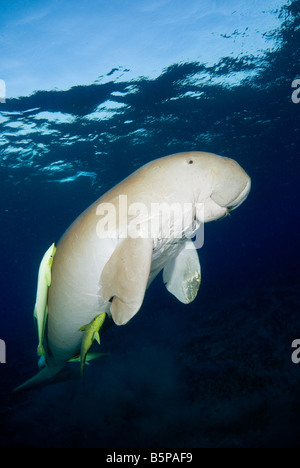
x,y
42,377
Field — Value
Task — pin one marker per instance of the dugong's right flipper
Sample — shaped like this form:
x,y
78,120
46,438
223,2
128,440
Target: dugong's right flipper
x,y
182,276
125,276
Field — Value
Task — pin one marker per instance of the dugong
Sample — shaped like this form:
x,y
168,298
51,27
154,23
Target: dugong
x,y
109,256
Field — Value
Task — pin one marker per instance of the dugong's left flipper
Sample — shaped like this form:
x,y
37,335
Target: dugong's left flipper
x,y
125,276
182,276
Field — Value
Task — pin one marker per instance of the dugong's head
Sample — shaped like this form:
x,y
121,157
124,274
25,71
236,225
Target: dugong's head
x,y
219,184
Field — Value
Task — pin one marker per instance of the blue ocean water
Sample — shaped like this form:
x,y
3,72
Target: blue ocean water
x,y
216,373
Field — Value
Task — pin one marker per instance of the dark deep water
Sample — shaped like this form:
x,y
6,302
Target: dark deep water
x,y
216,373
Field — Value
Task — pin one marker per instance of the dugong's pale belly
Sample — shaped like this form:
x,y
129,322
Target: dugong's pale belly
x,y
75,294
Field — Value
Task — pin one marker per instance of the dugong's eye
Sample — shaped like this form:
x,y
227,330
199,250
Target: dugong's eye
x,y
190,161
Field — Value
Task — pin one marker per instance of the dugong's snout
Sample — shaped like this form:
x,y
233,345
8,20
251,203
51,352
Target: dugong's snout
x,y
226,187
241,197
231,184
